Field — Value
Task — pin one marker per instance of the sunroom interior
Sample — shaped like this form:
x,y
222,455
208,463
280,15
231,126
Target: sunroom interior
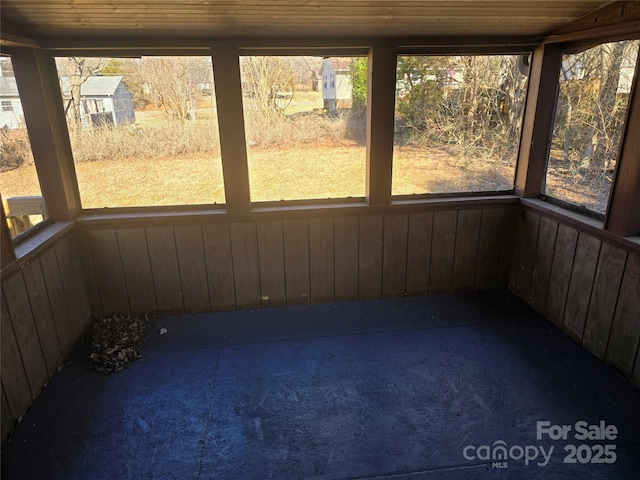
x,y
276,248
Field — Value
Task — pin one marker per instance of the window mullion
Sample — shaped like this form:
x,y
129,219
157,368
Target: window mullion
x,y
380,117
226,71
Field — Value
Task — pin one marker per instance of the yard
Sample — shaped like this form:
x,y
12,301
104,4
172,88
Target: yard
x,y
302,172
302,157
309,171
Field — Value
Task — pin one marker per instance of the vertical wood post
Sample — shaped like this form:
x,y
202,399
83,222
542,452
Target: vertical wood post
x,y
228,89
380,112
537,124
39,88
623,213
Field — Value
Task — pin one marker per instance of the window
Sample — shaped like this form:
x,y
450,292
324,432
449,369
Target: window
x,y
144,131
590,113
457,123
22,198
305,133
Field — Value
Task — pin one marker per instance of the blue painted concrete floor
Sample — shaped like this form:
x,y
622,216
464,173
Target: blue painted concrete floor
x,y
414,388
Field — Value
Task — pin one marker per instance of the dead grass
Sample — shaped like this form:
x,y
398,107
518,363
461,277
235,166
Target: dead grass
x,y
325,170
419,170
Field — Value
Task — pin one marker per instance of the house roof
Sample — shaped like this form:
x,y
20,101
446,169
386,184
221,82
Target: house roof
x,y
339,64
8,87
92,87
131,23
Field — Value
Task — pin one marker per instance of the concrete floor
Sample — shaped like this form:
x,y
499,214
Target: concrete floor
x,y
390,389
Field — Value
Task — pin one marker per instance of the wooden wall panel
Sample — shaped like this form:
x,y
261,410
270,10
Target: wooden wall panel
x,y
72,286
489,243
603,299
370,238
442,251
277,262
625,332
592,291
321,258
526,258
394,258
137,270
193,268
271,254
560,274
163,259
507,245
466,250
14,376
419,253
246,267
518,242
296,261
79,278
6,417
26,333
580,286
42,301
108,270
88,272
346,258
543,262
39,300
57,300
217,249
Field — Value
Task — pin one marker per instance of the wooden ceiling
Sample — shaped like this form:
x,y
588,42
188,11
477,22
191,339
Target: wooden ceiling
x,y
54,21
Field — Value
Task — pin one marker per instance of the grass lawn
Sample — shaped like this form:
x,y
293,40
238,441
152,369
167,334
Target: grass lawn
x,y
302,172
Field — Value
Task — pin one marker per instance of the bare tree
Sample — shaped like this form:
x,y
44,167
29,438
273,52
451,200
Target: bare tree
x,y
268,83
175,84
77,70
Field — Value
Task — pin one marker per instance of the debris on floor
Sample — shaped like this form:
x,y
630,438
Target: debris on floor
x,y
115,341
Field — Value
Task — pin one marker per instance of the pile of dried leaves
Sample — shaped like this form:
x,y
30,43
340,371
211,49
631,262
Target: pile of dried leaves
x,y
114,342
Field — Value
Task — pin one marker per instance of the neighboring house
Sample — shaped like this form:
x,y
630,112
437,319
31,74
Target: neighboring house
x,y
11,115
334,77
103,100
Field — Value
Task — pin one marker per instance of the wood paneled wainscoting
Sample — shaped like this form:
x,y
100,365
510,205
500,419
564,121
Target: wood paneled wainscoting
x,y
45,309
584,281
165,266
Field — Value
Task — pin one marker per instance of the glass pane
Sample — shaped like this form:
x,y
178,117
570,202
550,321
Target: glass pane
x,y
143,131
19,183
305,123
458,122
590,112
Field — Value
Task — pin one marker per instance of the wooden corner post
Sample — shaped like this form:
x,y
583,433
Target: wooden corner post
x,y
537,124
623,213
39,88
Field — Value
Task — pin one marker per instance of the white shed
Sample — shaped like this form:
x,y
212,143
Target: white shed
x,y
11,115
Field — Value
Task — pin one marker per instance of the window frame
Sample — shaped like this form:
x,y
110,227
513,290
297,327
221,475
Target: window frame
x,y
573,48
354,52
129,54
435,51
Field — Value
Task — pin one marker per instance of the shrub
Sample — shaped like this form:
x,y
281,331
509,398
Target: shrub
x,y
166,140
15,150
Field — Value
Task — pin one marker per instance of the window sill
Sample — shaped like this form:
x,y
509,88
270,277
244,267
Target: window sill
x,y
286,210
32,245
